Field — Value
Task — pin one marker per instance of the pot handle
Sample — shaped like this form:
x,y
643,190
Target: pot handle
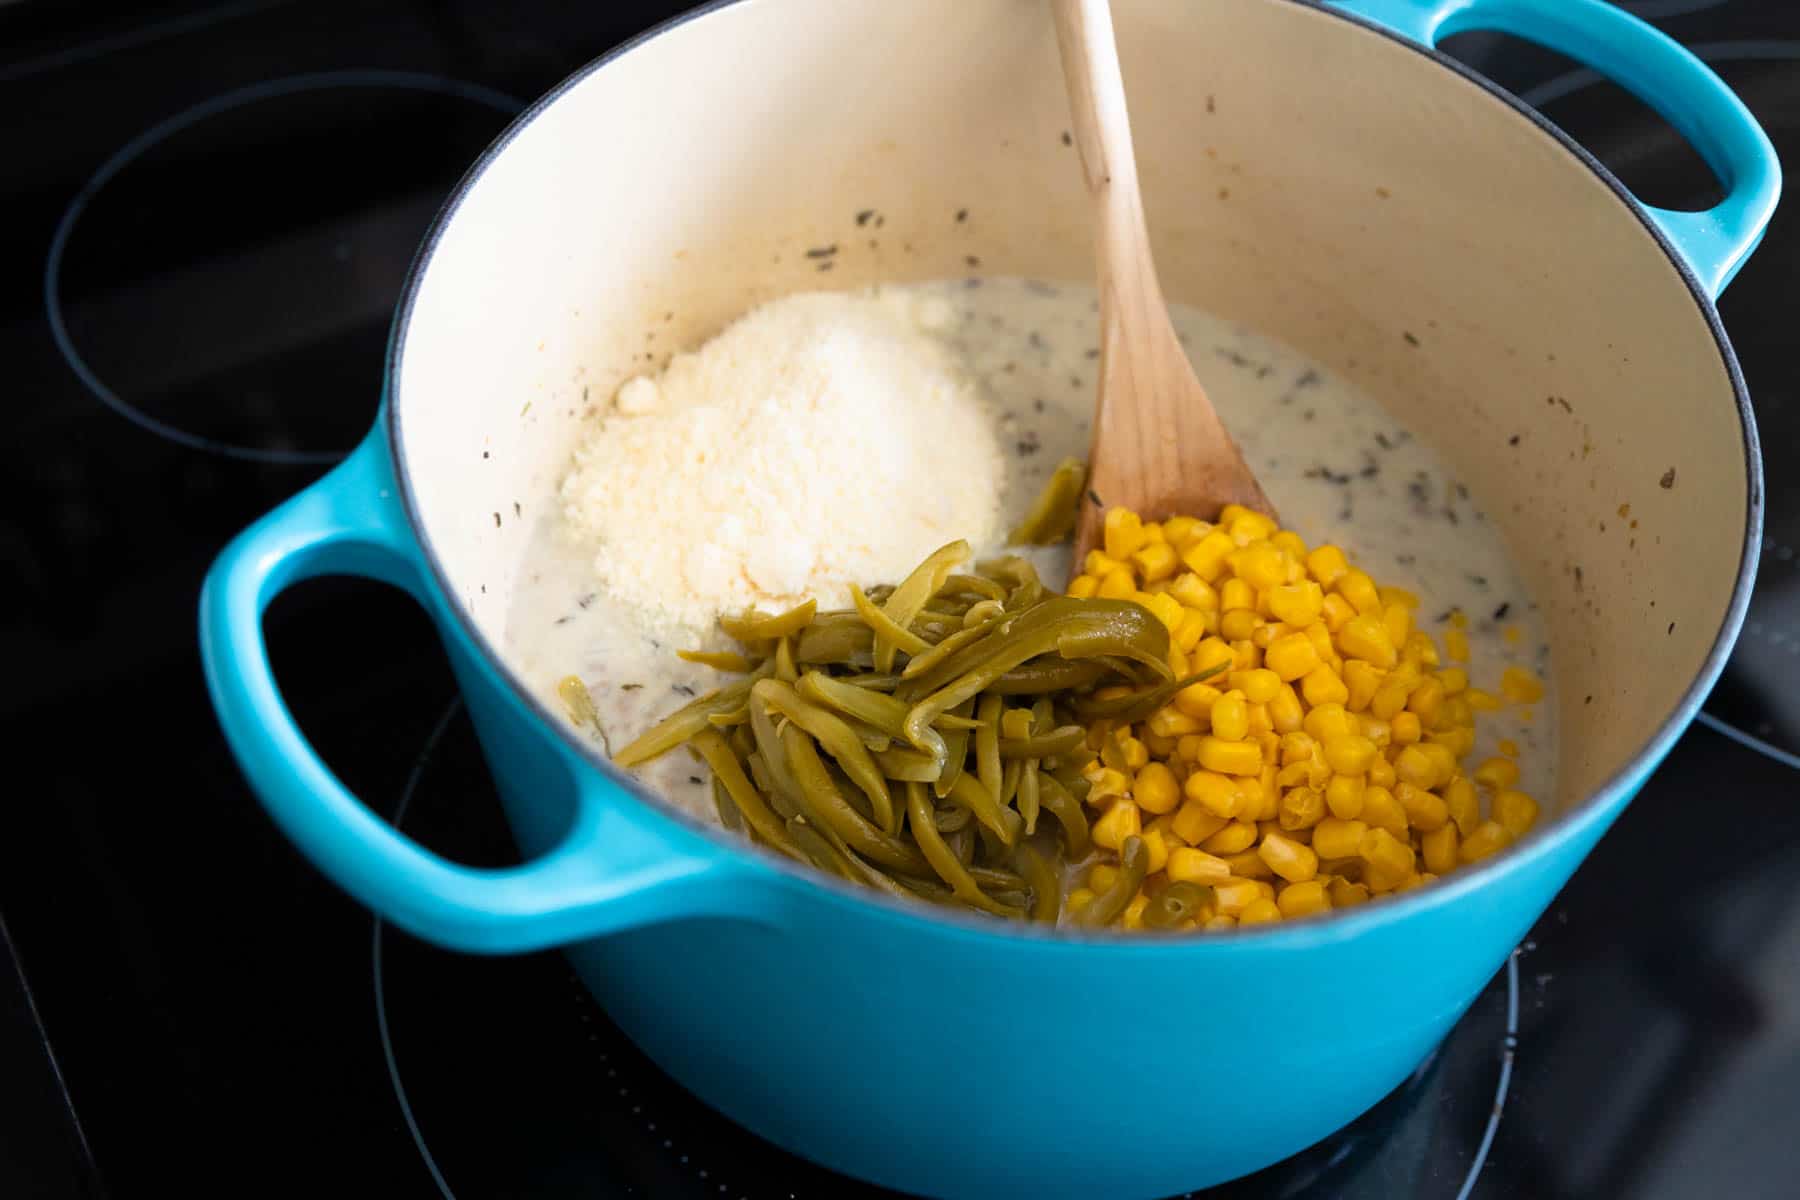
x,y
620,864
1657,70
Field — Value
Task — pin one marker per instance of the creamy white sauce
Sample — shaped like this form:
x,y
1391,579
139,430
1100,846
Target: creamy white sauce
x,y
1337,467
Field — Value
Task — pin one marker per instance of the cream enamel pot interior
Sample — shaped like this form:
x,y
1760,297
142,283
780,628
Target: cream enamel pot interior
x,y
1324,180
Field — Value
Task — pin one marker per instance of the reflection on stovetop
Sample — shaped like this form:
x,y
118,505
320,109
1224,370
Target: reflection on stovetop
x,y
214,208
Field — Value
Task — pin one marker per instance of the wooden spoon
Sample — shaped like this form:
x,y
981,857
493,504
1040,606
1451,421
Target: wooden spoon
x,y
1159,449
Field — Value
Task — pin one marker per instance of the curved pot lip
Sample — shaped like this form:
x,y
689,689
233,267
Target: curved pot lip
x,y
1600,807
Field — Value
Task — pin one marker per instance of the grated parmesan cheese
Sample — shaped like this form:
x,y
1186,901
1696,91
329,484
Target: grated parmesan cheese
x,y
822,439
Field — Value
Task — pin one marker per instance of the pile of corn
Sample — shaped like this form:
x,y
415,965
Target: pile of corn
x,y
1323,765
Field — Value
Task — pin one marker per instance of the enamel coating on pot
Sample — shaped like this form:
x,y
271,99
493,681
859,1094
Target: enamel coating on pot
x,y
950,1056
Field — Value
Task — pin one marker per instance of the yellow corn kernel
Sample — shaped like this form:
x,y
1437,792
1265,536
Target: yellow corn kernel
x,y
1188,865
1234,838
1230,717
1285,711
1516,811
1381,774
1405,728
1083,587
1120,821
1238,624
1345,894
1497,773
1196,701
1461,804
1288,858
1161,746
1320,636
1397,595
1336,613
1456,644
1260,721
1438,849
1234,895
1135,752
1244,655
1105,782
1155,789
1101,876
1266,633
1443,759
1187,748
1361,679
1122,533
1236,593
1397,618
1194,592
1327,565
1381,881
1300,808
1420,650
1155,561
1507,747
1389,699
1417,768
1487,837
1220,921
1297,746
1425,810
1259,686
1326,721
1356,587
1291,544
1261,565
1349,753
1157,844
1189,629
1100,564
1337,838
1303,899
1210,653
1483,701
1214,792
1457,709
1297,604
1177,530
1117,584
1206,557
1078,898
1291,657
1344,796
1322,685
1521,686
1375,729
1458,739
1385,852
1426,700
1133,916
1295,774
1168,610
1381,810
1454,681
1229,757
1193,822
1169,721
1252,524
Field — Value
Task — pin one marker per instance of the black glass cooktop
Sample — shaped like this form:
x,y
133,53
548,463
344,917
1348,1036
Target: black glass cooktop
x,y
209,208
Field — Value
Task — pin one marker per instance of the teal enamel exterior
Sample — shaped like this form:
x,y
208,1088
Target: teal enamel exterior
x,y
943,1055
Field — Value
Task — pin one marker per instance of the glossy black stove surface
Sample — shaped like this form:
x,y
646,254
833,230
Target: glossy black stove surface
x,y
209,213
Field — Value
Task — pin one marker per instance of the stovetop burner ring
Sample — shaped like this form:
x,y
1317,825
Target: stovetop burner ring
x,y
154,136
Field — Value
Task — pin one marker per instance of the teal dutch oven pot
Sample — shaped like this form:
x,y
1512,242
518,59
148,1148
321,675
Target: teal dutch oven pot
x,y
1320,173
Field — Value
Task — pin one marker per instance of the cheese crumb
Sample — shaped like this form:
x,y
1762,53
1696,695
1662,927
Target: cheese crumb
x,y
822,439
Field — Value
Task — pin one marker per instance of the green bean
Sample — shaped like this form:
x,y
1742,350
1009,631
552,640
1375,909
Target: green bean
x,y
987,745
786,669
1182,901
944,649
1026,589
838,739
719,660
969,793
982,612
1140,704
1046,887
976,585
907,765
950,818
1009,782
1107,904
997,879
821,643
576,698
1029,804
890,635
817,850
1049,745
729,774
682,724
911,595
962,843
881,712
729,816
1059,803
784,793
874,683
730,720
1052,515
1050,675
762,627
943,858
826,807
950,763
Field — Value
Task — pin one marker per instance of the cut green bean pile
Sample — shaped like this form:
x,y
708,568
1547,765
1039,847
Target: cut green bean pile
x,y
929,741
